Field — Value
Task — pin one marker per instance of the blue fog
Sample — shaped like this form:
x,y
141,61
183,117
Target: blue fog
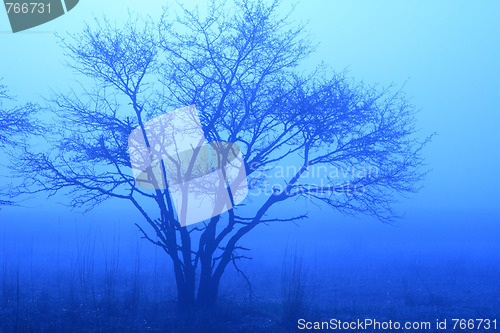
x,y
440,260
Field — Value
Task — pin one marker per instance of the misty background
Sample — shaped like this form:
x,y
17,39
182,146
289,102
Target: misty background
x,y
446,56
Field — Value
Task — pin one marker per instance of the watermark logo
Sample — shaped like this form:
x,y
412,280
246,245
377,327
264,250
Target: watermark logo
x,y
336,180
171,152
27,14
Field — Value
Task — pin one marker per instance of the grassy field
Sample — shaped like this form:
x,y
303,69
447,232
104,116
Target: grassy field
x,y
100,287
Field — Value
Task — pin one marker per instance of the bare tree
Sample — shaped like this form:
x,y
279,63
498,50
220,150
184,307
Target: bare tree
x,y
240,66
15,123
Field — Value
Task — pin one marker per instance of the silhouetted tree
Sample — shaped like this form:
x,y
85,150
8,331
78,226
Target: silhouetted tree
x,y
15,123
240,66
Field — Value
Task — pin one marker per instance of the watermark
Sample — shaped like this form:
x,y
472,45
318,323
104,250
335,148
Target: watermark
x,y
203,179
315,171
25,15
314,180
371,324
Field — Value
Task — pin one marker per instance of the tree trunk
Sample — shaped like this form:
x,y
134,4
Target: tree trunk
x,y
208,292
185,296
185,287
